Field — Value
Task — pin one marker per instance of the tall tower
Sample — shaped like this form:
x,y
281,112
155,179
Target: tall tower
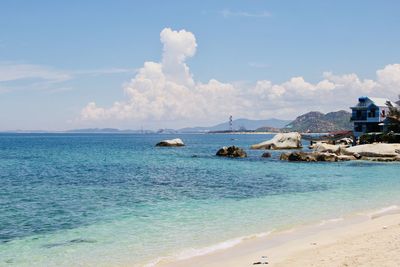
x,y
230,123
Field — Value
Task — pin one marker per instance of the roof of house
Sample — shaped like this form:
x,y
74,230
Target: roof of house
x,y
377,101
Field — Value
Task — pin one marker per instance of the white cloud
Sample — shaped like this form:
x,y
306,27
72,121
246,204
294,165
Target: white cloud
x,y
389,78
165,92
226,13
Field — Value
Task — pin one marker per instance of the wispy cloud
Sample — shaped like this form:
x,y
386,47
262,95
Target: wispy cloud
x,y
110,71
10,71
15,76
226,13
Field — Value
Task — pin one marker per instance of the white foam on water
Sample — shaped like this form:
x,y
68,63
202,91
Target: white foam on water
x,y
194,252
334,220
394,209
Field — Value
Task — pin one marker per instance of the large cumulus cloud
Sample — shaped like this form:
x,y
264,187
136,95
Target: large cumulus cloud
x,y
166,91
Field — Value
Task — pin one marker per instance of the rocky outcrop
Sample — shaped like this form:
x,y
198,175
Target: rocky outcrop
x,y
172,142
323,147
309,156
378,150
326,152
231,152
281,141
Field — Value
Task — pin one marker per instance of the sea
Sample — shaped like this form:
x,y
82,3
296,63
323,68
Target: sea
x,y
117,200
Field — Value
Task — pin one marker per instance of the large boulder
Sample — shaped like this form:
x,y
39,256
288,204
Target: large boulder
x,y
281,141
172,142
323,147
367,151
231,152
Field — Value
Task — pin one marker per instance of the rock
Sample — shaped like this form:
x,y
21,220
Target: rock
x,y
331,157
266,155
380,159
309,156
347,141
372,150
172,142
284,156
281,141
346,157
232,152
301,156
322,147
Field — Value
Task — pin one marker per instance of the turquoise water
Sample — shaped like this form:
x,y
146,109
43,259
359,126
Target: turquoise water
x,y
113,200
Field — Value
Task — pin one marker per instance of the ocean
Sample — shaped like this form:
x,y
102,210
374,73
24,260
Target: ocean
x,y
117,200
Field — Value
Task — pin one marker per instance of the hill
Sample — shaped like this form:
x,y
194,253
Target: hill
x,y
245,124
106,130
318,122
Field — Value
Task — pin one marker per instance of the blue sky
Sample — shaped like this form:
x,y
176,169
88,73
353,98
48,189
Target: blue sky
x,y
267,58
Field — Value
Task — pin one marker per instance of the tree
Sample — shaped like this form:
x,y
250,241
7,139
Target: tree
x,y
394,116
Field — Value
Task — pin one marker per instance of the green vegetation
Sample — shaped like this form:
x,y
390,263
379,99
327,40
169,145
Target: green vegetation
x,y
393,117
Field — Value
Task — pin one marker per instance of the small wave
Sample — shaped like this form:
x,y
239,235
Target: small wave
x,y
335,220
394,209
194,252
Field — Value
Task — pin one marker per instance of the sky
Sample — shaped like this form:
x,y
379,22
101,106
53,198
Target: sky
x,y
171,64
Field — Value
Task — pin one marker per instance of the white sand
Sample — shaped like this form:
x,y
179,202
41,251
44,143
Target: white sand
x,y
361,240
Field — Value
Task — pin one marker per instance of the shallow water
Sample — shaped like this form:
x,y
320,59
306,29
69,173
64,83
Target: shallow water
x,y
115,199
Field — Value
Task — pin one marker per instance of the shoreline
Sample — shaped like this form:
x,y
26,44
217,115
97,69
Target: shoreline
x,y
299,245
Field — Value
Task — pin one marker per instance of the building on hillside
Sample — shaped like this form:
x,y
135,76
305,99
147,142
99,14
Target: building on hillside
x,y
369,115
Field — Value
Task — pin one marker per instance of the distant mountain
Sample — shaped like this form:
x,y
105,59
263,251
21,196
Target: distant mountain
x,y
106,130
268,129
239,124
318,122
167,131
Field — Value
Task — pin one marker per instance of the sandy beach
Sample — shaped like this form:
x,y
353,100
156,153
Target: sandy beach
x,y
360,240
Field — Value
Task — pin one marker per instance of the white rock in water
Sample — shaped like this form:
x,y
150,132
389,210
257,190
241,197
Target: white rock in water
x,y
373,150
281,141
172,142
322,147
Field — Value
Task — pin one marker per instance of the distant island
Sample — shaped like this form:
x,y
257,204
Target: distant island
x,y
313,121
239,125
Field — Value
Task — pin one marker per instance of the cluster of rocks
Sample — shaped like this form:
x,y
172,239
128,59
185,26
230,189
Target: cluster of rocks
x,y
311,156
231,152
326,152
320,151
